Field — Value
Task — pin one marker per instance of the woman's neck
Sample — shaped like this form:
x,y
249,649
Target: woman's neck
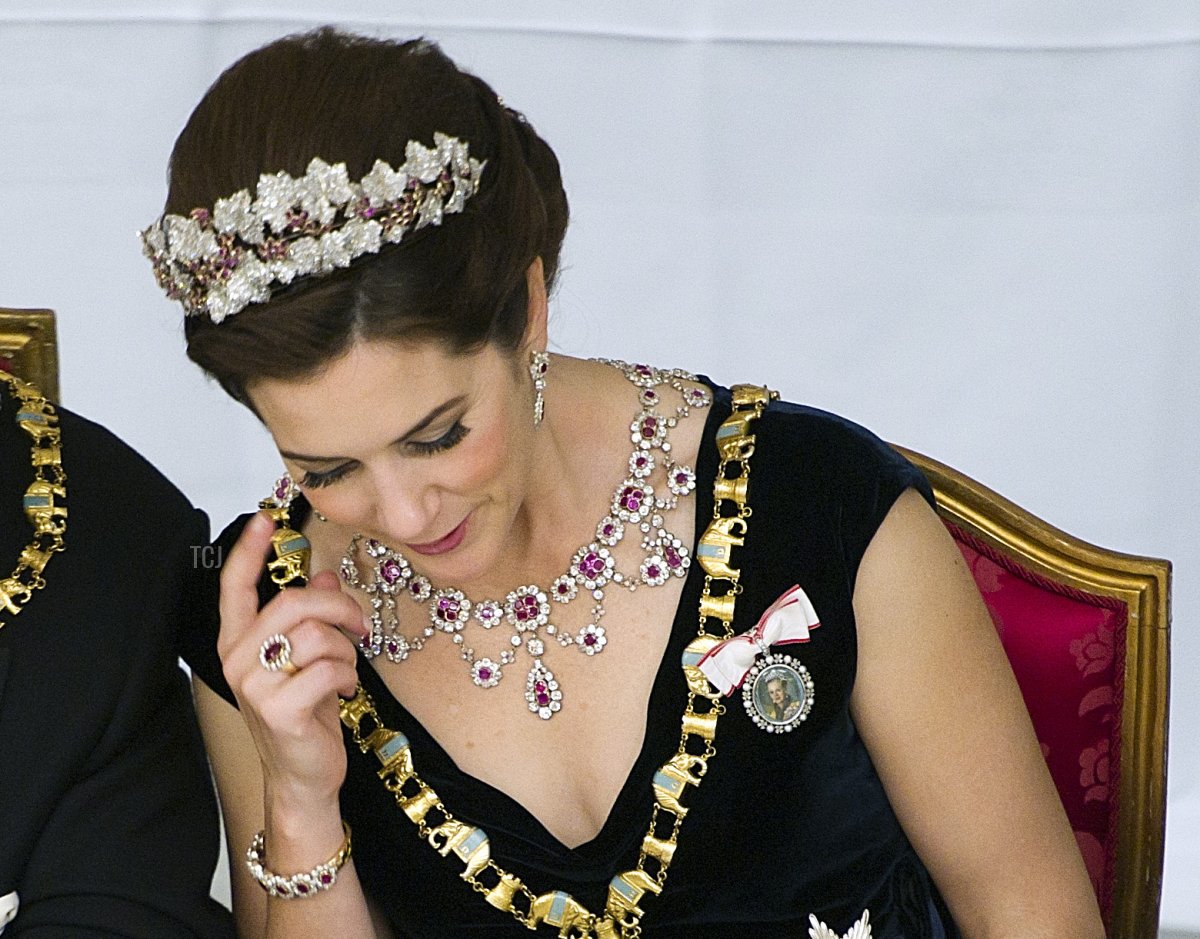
x,y
581,454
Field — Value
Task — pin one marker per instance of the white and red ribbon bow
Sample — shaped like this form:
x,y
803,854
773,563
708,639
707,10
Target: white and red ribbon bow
x,y
785,621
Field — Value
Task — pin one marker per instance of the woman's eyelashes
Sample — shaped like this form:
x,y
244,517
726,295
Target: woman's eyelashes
x,y
311,480
451,438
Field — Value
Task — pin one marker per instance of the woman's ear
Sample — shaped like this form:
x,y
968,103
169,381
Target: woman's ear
x,y
536,335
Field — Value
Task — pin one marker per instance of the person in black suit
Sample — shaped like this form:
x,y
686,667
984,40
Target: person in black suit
x,y
108,822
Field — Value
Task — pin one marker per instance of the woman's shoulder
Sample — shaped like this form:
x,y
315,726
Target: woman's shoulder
x,y
823,449
821,479
840,456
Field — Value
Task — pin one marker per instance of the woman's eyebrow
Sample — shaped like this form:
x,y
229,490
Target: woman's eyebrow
x,y
415,429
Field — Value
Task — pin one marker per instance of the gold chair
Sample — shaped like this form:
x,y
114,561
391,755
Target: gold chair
x,y
29,348
1087,632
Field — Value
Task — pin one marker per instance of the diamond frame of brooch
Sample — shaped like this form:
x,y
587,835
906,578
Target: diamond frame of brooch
x,y
643,375
669,546
673,479
778,660
403,574
538,673
654,570
419,588
655,423
396,647
641,464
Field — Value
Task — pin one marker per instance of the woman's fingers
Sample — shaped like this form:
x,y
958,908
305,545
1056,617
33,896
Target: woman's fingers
x,y
308,633
303,617
239,589
283,702
329,609
325,580
327,606
312,640
240,574
310,688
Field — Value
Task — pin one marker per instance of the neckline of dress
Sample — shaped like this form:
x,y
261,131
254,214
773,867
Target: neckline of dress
x,y
660,736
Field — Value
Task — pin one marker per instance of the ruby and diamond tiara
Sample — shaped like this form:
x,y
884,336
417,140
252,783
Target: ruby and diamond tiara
x,y
250,245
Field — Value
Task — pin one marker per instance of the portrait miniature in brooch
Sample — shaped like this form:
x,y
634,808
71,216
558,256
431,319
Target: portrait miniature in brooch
x,y
778,693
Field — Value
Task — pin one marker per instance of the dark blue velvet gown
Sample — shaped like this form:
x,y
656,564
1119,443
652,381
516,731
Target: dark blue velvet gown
x,y
784,826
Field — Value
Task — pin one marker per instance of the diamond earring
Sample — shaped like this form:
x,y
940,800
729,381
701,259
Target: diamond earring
x,y
538,366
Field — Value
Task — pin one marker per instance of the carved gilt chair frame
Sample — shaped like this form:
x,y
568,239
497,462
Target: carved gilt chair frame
x,y
29,348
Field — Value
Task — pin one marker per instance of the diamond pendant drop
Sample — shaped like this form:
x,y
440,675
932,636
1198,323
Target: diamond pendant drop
x,y
541,691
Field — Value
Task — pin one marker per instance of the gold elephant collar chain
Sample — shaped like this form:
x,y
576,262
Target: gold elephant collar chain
x,y
37,417
653,485
435,823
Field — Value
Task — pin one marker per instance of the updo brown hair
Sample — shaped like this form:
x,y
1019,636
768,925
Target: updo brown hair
x,y
354,100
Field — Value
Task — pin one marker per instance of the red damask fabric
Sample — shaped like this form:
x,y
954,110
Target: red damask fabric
x,y
1067,652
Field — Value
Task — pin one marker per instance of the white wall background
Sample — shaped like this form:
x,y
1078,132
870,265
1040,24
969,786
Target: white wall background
x,y
972,226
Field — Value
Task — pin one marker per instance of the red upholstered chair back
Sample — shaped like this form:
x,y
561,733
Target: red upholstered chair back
x,y
1086,632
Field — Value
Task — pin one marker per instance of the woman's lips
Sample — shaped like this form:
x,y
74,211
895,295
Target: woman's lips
x,y
442,545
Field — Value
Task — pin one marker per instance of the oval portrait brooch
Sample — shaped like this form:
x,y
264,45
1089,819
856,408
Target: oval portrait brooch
x,y
778,693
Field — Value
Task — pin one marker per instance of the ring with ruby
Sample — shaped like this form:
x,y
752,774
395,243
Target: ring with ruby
x,y
275,654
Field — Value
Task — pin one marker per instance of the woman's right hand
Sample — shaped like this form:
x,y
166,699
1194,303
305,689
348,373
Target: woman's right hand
x,y
293,717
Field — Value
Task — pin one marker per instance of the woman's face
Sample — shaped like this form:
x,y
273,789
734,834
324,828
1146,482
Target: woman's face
x,y
427,451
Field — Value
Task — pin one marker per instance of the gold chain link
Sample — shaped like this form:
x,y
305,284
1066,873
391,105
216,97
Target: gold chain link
x,y
38,418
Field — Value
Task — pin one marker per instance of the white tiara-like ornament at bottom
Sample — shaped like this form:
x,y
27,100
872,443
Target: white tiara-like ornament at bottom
x,y
860,930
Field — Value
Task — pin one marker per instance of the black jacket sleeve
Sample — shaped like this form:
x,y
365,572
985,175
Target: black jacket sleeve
x,y
108,822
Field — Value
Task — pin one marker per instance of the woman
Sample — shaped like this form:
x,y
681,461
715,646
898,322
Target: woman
x,y
479,513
